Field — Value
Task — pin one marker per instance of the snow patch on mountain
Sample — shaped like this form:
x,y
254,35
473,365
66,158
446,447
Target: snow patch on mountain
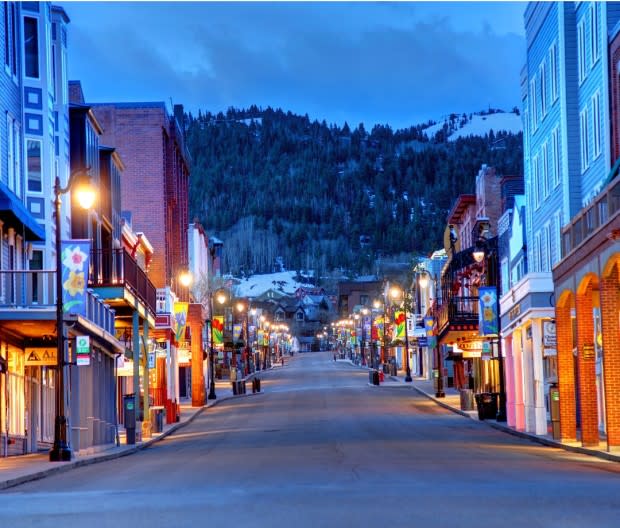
x,y
464,125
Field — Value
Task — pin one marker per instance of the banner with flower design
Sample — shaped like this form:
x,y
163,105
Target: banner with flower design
x,y
180,319
400,326
74,255
218,330
378,329
487,316
237,329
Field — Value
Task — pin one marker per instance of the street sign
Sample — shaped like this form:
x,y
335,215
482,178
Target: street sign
x,y
82,350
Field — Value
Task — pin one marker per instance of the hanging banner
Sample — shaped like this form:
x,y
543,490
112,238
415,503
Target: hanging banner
x,y
218,330
429,326
487,316
180,319
82,351
266,338
378,329
74,256
400,326
237,332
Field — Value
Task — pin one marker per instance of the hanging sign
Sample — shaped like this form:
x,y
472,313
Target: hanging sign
x,y
488,319
82,350
218,330
549,339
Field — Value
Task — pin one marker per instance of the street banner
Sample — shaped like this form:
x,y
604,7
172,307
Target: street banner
x,y
400,326
487,315
237,332
379,328
266,339
74,257
429,326
218,330
180,320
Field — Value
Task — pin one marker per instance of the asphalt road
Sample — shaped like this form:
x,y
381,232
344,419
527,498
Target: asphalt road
x,y
318,448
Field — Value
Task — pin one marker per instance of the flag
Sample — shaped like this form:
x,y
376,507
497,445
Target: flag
x,y
180,320
217,326
74,256
400,325
429,326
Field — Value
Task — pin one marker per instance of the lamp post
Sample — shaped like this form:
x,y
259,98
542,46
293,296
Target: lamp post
x,y
395,293
423,280
221,298
487,250
61,449
377,304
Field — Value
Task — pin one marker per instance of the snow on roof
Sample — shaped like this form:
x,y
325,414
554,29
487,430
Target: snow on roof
x,y
259,284
479,125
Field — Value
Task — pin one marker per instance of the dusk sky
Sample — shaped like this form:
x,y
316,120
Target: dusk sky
x,y
388,63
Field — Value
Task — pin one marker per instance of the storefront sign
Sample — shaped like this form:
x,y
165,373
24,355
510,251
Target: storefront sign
x,y
41,356
82,350
549,338
486,351
514,312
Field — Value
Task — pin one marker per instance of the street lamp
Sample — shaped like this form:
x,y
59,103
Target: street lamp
x,y
221,297
423,280
486,249
85,196
395,293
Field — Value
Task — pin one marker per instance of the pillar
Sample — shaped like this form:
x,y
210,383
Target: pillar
x,y
610,308
510,379
145,378
587,367
135,329
566,370
539,425
195,320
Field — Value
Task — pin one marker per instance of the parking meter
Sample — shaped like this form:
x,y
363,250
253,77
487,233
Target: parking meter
x,y
129,409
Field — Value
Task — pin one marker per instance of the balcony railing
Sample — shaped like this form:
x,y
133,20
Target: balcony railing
x,y
458,311
28,290
601,211
116,267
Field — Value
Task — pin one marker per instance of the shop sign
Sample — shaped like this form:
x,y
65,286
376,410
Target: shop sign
x,y
151,359
549,338
82,350
40,356
486,351
588,351
514,312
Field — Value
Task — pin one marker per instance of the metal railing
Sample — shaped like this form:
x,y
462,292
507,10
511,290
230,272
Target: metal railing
x,y
604,208
116,267
35,289
458,310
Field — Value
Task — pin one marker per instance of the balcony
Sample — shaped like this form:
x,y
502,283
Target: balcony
x,y
601,212
117,268
24,293
460,312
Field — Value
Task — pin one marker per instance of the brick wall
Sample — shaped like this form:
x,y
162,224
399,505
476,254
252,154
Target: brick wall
x,y
154,185
614,90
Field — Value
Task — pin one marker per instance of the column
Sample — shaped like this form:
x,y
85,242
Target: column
x,y
539,419
566,368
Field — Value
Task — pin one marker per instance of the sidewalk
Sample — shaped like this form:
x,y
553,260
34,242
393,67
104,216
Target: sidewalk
x,y
452,402
16,470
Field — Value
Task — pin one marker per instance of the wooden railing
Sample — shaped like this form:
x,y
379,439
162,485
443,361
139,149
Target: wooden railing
x,y
116,267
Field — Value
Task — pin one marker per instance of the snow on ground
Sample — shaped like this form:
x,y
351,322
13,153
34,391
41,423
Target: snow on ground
x,y
258,284
479,125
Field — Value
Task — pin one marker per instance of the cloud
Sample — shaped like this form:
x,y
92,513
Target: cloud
x,y
396,63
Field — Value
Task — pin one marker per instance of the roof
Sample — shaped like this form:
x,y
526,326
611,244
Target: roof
x,y
462,204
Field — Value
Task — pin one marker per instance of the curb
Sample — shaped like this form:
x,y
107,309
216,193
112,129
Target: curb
x,y
526,436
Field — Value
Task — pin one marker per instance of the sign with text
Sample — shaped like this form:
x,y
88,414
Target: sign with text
x,y
40,356
549,338
82,350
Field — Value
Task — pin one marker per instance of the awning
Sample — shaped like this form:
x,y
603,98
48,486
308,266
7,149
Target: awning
x,y
14,214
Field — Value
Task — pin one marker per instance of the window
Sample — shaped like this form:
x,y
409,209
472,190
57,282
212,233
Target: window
x,y
557,232
33,147
31,47
584,147
545,169
553,71
595,34
533,104
546,248
581,50
535,178
17,158
555,140
10,53
10,153
543,89
7,38
596,125
536,256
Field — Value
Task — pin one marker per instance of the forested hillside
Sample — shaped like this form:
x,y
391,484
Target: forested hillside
x,y
273,184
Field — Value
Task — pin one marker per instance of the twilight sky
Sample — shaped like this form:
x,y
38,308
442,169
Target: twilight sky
x,y
397,63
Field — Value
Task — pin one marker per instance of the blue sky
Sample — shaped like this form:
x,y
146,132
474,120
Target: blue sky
x,y
389,63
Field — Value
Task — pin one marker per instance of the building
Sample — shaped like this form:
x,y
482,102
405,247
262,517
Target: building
x,y
155,191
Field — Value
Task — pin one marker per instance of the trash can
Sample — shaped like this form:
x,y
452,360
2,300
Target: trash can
x,y
257,384
467,400
371,375
234,387
487,405
381,377
129,418
375,377
242,386
157,419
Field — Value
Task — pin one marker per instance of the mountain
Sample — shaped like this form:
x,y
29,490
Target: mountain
x,y
284,192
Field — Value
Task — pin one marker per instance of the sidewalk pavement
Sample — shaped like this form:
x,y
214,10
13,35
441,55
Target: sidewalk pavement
x,y
16,470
